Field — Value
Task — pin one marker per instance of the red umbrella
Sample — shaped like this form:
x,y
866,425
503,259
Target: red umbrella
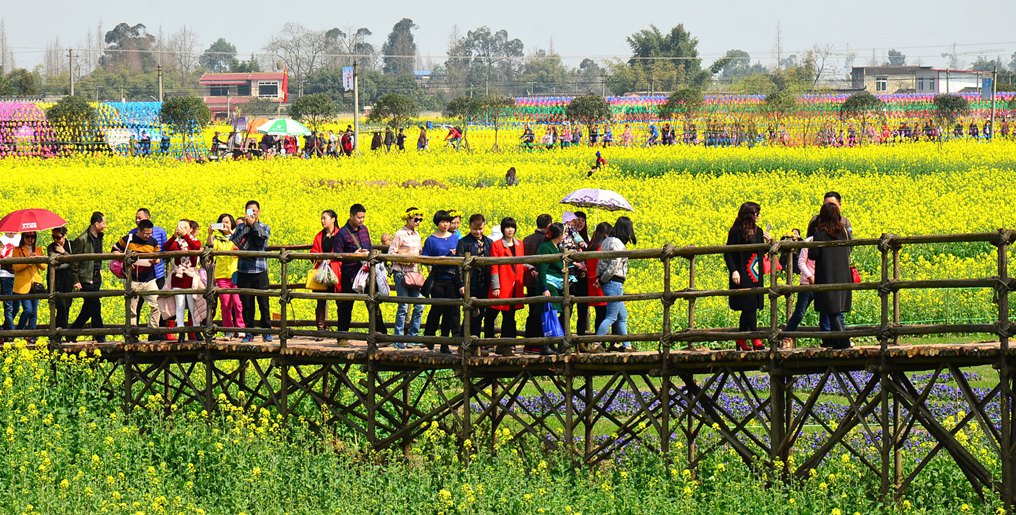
x,y
29,220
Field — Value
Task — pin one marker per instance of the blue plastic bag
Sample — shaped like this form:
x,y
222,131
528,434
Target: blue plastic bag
x,y
551,324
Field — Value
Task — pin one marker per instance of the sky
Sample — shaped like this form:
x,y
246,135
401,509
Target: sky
x,y
597,29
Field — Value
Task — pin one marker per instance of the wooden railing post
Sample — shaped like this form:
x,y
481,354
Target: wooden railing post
x,y
371,302
691,301
1007,402
284,299
130,320
566,340
664,353
55,340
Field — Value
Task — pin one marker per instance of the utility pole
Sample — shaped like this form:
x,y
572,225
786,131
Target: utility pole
x,y
70,68
356,110
159,68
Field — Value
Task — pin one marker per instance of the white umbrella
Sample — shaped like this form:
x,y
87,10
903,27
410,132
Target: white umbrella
x,y
597,199
283,127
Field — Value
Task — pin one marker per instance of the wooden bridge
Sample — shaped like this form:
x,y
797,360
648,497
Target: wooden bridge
x,y
675,392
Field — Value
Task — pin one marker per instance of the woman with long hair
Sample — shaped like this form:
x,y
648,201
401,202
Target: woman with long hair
x,y
832,266
442,277
611,274
406,242
551,276
593,281
26,278
744,270
506,281
225,273
324,241
184,272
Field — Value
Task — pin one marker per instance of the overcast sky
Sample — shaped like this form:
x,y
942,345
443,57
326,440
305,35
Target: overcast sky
x,y
922,30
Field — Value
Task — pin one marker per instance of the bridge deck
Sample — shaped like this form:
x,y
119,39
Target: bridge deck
x,y
797,360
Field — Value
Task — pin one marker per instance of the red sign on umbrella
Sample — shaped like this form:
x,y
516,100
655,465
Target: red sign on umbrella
x,y
31,220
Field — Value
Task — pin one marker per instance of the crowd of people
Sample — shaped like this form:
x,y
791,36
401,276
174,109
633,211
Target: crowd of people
x,y
247,232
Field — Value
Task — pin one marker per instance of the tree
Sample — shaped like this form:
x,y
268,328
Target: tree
x,y
302,50
72,118
544,73
465,109
588,109
220,57
588,75
896,58
735,64
185,114
128,49
259,106
7,53
666,61
948,108
861,105
23,82
485,58
685,101
400,49
313,110
395,109
495,109
249,66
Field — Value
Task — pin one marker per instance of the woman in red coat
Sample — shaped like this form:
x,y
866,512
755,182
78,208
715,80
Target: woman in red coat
x,y
324,242
506,281
602,231
185,273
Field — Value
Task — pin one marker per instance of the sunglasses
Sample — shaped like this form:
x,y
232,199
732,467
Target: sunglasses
x,y
418,220
29,236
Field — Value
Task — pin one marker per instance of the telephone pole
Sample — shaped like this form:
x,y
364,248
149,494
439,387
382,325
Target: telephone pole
x,y
159,68
356,109
70,68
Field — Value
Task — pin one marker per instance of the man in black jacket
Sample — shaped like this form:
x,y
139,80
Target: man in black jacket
x,y
87,275
534,322
477,245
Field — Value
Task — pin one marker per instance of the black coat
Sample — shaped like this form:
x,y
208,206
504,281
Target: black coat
x,y
832,265
739,261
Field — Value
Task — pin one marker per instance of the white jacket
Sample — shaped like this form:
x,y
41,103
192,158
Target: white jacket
x,y
806,265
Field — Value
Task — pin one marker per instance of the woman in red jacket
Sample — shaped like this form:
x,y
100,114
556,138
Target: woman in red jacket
x,y
506,281
600,308
184,274
324,241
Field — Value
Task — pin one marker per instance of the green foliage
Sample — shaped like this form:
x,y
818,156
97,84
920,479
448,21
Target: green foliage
x,y
861,105
400,48
313,110
896,58
588,109
219,57
950,107
185,114
465,108
685,102
72,111
780,103
394,109
259,107
21,82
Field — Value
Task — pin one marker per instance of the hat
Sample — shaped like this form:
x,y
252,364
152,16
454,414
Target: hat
x,y
567,217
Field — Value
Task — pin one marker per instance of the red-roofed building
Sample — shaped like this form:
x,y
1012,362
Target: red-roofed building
x,y
225,92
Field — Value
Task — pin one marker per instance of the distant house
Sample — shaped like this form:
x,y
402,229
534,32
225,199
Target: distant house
x,y
225,92
915,79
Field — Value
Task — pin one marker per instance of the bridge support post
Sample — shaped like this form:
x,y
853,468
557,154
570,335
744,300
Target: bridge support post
x,y
1007,447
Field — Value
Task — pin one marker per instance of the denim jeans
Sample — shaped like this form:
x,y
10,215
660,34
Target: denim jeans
x,y
403,309
29,313
804,299
7,288
616,311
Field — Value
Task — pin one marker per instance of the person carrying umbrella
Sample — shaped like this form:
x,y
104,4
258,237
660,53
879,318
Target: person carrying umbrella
x,y
28,280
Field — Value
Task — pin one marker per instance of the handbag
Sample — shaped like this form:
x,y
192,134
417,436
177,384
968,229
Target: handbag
x,y
325,276
855,275
360,281
413,280
428,286
551,324
37,289
116,266
312,283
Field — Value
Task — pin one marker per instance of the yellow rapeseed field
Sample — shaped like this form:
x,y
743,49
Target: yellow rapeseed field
x,y
681,195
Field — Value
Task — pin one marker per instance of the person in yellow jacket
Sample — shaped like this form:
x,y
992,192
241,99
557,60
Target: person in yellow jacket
x,y
28,277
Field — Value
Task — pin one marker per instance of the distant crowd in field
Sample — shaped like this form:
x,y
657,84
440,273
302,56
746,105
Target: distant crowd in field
x,y
508,282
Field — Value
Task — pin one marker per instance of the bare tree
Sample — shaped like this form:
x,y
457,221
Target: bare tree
x,y
303,50
184,46
6,53
821,54
53,61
